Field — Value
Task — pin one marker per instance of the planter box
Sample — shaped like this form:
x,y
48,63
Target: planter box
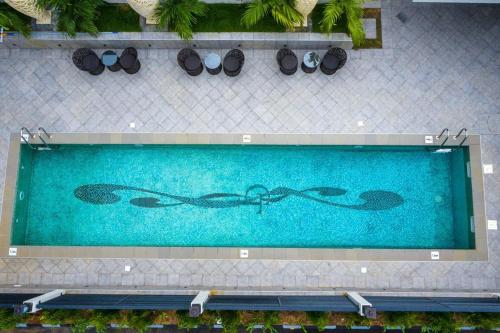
x,y
169,40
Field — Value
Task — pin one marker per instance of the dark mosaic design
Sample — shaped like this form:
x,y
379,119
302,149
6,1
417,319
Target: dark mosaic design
x,y
256,195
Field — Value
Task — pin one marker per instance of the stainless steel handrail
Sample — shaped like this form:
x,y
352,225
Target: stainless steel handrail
x,y
24,129
445,130
464,130
49,136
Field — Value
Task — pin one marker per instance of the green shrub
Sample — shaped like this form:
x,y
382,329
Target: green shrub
x,y
230,320
352,11
185,321
209,318
180,15
354,319
139,320
56,317
404,320
442,322
74,15
283,12
100,320
8,319
226,17
318,319
486,321
265,318
271,318
117,17
12,20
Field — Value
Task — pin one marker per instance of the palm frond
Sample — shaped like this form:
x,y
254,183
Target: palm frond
x,y
11,21
352,11
180,15
255,12
74,15
286,16
331,14
354,15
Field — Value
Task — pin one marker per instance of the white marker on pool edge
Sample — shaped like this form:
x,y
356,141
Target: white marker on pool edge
x,y
127,268
492,225
487,169
361,123
243,253
364,270
131,125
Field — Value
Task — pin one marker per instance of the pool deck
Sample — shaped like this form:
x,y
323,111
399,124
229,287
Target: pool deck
x,y
439,69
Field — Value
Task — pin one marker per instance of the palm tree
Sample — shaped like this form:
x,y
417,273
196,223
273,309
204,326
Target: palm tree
x,y
352,10
283,12
180,15
74,15
11,21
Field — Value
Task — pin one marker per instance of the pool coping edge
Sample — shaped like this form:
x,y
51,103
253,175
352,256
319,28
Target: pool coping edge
x,y
343,254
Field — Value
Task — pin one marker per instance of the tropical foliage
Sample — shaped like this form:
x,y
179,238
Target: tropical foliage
x,y
318,319
7,318
9,20
283,12
405,320
74,15
180,15
139,321
351,11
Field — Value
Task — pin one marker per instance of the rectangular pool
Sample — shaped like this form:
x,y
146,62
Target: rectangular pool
x,y
382,197
398,197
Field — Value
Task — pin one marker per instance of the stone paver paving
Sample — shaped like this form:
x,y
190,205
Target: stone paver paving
x,y
439,69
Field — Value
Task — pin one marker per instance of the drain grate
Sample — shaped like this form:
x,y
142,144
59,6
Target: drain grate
x,y
402,17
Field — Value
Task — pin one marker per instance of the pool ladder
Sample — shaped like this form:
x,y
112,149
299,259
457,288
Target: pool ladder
x,y
455,137
445,132
26,135
438,137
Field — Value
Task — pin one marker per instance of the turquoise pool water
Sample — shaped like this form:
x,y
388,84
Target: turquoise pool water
x,y
251,196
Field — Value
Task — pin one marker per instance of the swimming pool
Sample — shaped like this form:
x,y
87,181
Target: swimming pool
x,y
244,196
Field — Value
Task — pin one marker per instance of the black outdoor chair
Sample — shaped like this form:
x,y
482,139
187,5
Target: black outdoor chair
x,y
129,62
334,59
287,60
79,55
92,64
98,70
134,69
195,72
233,62
184,54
